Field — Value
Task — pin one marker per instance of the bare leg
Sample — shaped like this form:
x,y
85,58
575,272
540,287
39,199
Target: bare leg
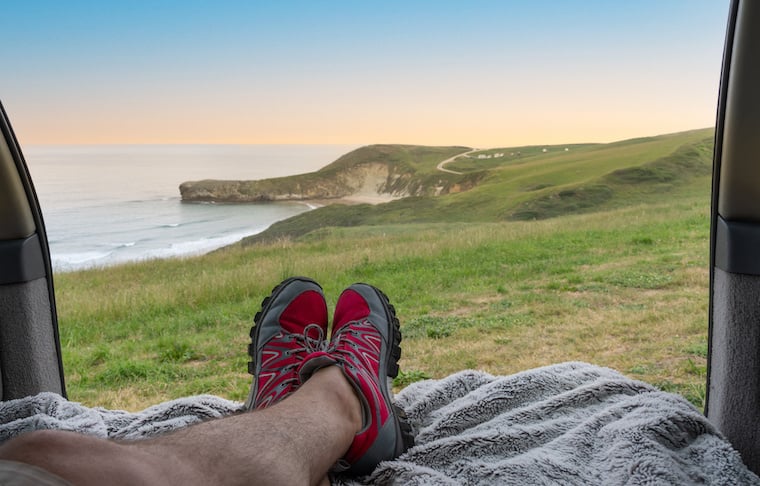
x,y
293,442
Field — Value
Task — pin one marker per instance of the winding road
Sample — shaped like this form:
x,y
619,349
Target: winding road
x,y
451,159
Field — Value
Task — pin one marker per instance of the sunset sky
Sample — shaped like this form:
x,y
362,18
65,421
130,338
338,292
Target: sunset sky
x,y
476,72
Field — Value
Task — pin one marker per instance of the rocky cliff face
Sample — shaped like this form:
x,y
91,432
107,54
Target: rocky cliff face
x,y
362,180
371,172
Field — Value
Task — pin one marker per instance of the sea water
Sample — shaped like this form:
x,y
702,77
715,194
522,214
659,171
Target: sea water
x,y
108,204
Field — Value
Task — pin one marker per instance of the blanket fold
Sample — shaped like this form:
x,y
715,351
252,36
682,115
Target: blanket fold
x,y
571,423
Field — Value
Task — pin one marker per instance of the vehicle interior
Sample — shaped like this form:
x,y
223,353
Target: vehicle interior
x,y
30,360
733,377
30,349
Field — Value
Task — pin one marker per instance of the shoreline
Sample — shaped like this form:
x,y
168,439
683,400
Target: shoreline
x,y
64,264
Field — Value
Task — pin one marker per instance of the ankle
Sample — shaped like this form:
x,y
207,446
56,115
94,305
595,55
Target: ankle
x,y
346,396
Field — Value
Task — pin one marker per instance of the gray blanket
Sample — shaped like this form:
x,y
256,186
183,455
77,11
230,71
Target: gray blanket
x,y
572,423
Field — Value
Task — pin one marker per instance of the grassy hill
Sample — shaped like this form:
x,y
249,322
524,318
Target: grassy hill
x,y
537,184
391,169
620,283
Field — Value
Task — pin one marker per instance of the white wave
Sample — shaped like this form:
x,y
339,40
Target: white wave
x,y
198,247
64,262
313,206
170,225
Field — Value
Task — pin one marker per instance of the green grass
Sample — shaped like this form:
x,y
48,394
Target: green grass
x,y
598,254
587,178
624,186
419,159
626,288
511,156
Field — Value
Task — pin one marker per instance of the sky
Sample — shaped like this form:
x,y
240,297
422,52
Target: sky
x,y
479,73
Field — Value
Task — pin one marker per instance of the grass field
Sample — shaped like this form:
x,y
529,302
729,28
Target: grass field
x,y
622,285
536,185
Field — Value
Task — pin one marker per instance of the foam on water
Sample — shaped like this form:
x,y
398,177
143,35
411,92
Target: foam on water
x,y
105,205
198,247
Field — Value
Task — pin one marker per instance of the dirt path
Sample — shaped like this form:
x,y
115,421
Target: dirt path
x,y
451,159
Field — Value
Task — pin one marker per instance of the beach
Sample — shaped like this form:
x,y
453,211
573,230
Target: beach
x,y
110,204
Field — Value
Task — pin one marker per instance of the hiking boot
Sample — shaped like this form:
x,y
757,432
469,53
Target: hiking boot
x,y
365,343
292,324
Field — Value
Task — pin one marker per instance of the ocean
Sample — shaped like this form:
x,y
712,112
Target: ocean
x,y
109,204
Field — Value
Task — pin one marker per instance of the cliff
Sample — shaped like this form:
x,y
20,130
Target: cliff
x,y
363,179
392,171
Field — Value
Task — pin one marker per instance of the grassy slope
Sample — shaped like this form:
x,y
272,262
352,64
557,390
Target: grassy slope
x,y
625,288
412,167
535,186
401,158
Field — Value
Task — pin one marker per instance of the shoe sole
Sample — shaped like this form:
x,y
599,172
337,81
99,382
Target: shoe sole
x,y
255,332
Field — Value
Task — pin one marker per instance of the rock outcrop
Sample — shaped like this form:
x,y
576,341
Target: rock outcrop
x,y
361,180
375,172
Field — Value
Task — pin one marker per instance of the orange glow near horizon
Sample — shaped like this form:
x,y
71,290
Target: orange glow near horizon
x,y
483,124
492,74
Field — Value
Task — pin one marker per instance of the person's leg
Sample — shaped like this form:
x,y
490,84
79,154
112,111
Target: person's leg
x,y
365,344
343,413
366,339
295,441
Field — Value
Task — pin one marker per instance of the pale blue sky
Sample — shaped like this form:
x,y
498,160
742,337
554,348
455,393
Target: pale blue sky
x,y
480,73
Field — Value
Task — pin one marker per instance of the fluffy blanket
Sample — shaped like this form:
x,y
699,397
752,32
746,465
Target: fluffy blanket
x,y
572,423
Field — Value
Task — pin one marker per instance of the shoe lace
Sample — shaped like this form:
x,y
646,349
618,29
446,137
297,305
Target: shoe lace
x,y
349,334
311,340
313,344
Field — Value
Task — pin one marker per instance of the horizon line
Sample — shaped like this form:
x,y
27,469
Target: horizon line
x,y
358,144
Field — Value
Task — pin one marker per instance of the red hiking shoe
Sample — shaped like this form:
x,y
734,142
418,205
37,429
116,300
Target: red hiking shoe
x,y
292,324
365,343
